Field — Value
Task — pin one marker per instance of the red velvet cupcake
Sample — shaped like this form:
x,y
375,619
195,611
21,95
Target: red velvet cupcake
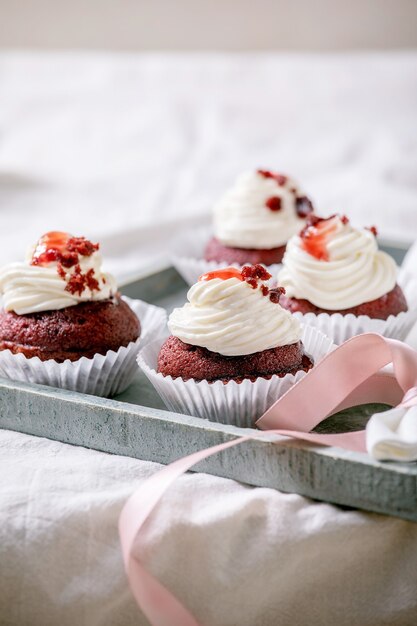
x,y
59,305
63,321
255,219
331,268
233,349
215,336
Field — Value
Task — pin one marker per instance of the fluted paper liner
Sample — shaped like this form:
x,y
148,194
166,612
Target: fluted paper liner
x,y
235,403
191,263
342,327
103,375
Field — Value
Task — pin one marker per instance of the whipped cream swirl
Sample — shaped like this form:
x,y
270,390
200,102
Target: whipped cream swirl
x,y
28,288
242,218
232,318
353,271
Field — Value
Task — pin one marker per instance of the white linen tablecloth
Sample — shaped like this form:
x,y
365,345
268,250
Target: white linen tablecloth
x,y
106,145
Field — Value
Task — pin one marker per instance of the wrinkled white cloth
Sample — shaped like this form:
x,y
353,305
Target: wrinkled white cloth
x,y
106,145
233,554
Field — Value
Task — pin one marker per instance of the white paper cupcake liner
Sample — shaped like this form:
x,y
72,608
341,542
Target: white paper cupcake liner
x,y
342,327
190,264
103,375
235,403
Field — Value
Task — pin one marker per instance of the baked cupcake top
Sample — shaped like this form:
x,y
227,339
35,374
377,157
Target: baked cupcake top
x,y
59,271
233,312
262,211
335,266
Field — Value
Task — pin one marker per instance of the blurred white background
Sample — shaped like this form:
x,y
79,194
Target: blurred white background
x,y
208,24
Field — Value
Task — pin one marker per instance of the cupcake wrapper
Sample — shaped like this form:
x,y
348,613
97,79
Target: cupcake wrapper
x,y
103,375
342,327
190,264
235,403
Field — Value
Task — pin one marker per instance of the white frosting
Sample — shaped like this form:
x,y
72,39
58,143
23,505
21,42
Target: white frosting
x,y
356,271
231,318
32,288
242,219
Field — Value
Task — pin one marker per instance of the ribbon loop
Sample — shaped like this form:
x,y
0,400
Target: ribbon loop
x,y
348,374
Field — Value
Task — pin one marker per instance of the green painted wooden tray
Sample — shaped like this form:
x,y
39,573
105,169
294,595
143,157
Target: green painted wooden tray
x,y
136,424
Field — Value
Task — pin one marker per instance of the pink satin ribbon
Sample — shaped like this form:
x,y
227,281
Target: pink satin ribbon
x,y
348,376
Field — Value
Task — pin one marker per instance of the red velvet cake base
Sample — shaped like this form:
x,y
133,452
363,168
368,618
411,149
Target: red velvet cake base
x,y
216,251
391,303
86,329
181,360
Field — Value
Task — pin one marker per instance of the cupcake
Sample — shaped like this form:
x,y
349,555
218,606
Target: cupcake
x,y
232,328
255,219
61,310
232,349
252,224
332,269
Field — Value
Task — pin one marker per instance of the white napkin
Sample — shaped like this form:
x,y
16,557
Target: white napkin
x,y
392,435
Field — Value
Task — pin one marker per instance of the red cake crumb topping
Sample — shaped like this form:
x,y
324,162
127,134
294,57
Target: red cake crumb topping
x,y
251,274
60,247
273,203
65,250
77,281
313,220
344,219
279,178
82,246
275,294
61,271
303,206
315,234
373,230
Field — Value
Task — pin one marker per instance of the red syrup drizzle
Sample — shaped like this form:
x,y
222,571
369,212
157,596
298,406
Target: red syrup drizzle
x,y
61,248
51,247
251,274
315,235
228,272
